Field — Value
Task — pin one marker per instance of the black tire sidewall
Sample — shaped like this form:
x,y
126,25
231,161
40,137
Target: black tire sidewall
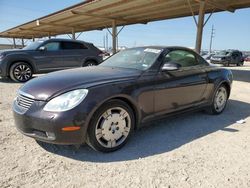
x,y
86,64
91,138
12,68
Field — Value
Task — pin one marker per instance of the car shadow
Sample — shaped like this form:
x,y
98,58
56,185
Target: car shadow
x,y
162,136
9,81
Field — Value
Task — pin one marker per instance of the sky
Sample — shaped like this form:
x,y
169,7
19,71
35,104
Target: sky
x,y
232,30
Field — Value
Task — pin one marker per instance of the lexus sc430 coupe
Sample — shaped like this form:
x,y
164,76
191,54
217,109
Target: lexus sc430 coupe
x,y
103,105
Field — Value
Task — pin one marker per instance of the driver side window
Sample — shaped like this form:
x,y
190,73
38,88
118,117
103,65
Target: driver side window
x,y
182,57
52,46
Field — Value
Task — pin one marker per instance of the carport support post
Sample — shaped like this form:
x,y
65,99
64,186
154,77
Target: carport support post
x,y
73,34
200,27
114,35
22,42
14,42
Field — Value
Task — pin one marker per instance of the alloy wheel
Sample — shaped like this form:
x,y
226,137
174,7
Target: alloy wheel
x,y
113,127
220,99
22,72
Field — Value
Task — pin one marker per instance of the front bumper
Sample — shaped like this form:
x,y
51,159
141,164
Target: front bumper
x,y
3,69
47,126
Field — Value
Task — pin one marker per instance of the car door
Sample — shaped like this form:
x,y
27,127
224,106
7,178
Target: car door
x,y
182,88
73,53
234,57
49,57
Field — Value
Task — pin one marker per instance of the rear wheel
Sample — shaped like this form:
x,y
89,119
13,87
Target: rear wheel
x,y
90,63
240,64
111,126
20,72
219,100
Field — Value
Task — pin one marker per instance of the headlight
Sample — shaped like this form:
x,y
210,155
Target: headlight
x,y
66,101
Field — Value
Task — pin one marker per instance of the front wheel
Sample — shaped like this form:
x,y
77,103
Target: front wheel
x,y
20,72
219,100
111,126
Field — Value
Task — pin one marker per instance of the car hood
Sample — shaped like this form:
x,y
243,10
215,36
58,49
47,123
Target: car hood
x,y
47,86
8,51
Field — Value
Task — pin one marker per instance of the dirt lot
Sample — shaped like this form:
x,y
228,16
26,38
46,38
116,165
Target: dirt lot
x,y
195,150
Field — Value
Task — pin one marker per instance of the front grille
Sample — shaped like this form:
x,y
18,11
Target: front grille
x,y
24,101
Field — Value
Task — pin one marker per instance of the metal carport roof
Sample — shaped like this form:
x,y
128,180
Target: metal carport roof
x,y
100,14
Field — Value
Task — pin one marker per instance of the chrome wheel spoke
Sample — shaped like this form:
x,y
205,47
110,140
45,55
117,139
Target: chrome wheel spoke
x,y
123,114
107,114
99,133
22,72
111,143
126,129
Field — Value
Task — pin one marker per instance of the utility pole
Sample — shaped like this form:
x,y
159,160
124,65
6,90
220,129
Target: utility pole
x,y
211,39
104,43
107,42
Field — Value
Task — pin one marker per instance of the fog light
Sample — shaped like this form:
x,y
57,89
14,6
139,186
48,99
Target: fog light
x,y
50,135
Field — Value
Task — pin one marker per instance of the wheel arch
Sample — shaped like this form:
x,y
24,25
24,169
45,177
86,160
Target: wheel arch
x,y
132,106
90,59
17,61
122,98
228,87
226,84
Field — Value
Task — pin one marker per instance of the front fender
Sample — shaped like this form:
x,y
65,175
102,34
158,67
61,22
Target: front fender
x,y
218,77
20,57
100,95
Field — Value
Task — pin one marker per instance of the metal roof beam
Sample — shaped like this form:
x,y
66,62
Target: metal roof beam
x,y
53,24
36,30
100,16
218,5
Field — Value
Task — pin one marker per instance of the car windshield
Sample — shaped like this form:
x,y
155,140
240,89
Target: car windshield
x,y
135,58
224,53
33,45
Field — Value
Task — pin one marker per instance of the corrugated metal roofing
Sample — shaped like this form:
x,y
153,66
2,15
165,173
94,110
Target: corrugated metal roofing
x,y
99,14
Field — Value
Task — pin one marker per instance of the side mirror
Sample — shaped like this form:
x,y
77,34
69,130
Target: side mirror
x,y
42,48
170,66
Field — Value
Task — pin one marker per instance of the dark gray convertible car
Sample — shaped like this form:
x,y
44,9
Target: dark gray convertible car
x,y
46,56
103,105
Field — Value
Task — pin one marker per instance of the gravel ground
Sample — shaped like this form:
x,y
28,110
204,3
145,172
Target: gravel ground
x,y
194,150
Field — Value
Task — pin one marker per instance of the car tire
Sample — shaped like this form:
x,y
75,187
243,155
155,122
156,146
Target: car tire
x,y
220,99
111,126
20,72
90,63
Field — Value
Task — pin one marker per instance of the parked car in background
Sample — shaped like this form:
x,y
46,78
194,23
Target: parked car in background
x,y
207,57
103,105
46,56
247,58
227,57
